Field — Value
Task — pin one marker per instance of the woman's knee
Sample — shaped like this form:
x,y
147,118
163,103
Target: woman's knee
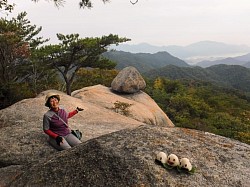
x,y
63,146
73,140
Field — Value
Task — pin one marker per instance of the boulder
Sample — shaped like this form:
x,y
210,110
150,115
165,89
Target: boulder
x,y
127,158
128,80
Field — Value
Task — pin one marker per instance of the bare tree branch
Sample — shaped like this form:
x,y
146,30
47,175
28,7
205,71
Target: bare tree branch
x,y
82,3
134,2
58,3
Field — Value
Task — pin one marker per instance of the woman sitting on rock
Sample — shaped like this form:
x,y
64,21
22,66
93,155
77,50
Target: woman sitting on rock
x,y
55,124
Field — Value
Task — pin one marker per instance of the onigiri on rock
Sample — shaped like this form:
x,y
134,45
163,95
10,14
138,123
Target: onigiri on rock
x,y
162,157
173,160
185,164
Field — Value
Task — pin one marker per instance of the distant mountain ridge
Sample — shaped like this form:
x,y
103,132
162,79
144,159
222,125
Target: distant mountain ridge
x,y
202,48
230,76
144,61
243,60
229,72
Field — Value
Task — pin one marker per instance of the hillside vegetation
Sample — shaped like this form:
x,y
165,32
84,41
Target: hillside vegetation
x,y
228,76
203,106
143,61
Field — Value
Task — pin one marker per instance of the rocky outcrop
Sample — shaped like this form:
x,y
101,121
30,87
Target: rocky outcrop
x,y
23,141
128,80
142,107
127,158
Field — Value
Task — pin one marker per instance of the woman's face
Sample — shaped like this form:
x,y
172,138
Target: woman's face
x,y
54,103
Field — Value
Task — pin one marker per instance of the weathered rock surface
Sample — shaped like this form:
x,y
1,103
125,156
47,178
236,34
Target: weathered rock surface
x,y
128,80
143,108
126,158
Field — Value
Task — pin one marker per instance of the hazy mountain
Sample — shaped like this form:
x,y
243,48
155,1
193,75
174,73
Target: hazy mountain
x,y
143,61
140,48
211,48
203,48
244,58
231,76
247,65
239,60
227,61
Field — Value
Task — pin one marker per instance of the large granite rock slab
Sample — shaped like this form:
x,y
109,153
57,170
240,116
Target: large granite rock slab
x,y
127,158
143,108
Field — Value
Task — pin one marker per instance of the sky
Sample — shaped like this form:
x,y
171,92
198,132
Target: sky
x,y
156,22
